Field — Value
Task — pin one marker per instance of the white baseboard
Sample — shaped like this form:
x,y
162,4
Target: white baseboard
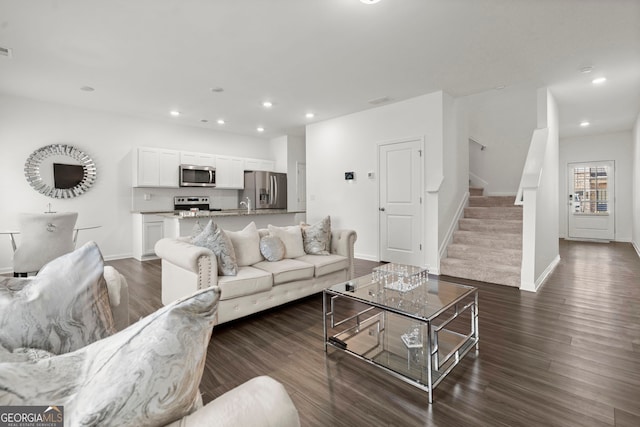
x,y
115,257
366,257
543,277
6,270
636,247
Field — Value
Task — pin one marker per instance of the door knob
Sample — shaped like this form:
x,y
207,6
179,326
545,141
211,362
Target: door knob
x,y
381,209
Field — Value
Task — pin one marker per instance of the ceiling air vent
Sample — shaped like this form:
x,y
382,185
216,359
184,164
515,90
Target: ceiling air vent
x,y
5,51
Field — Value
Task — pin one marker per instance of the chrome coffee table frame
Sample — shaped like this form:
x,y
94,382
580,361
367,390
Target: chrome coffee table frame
x,y
365,328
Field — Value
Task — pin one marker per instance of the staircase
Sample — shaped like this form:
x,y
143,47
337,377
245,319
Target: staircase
x,y
488,243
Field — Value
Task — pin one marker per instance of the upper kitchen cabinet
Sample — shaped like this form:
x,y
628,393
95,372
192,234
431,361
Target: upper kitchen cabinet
x,y
229,172
259,165
156,167
198,159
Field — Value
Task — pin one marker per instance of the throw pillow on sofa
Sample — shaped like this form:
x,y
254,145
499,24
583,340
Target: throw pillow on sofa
x,y
291,237
147,374
215,239
272,248
317,237
246,244
63,308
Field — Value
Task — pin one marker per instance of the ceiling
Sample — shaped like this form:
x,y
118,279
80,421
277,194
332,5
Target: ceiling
x,y
331,57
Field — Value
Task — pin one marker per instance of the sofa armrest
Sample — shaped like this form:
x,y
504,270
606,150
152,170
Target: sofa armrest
x,y
342,243
261,401
186,268
118,297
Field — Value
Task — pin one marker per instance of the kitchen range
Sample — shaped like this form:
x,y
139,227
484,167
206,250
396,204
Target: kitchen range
x,y
192,206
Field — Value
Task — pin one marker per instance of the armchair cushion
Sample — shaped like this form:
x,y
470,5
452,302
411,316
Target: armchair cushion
x,y
291,237
317,237
63,308
214,238
287,270
148,374
246,244
248,281
272,248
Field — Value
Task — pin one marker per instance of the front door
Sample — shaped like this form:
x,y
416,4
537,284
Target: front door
x,y
400,209
591,200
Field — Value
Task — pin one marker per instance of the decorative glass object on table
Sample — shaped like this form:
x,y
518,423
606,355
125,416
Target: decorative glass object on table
x,y
400,277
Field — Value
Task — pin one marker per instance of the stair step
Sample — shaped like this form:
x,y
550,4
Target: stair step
x,y
475,191
499,274
485,201
494,212
488,240
491,225
485,255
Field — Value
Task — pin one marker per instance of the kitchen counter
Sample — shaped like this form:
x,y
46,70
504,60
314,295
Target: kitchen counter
x,y
176,225
225,212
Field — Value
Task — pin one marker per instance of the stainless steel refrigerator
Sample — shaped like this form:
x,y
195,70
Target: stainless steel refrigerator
x,y
266,190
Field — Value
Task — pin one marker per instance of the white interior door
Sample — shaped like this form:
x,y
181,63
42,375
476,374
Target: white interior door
x,y
591,212
400,190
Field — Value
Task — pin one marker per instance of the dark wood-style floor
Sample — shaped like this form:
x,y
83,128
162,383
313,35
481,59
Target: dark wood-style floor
x,y
568,355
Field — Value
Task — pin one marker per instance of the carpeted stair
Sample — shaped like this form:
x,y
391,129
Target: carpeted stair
x,y
488,243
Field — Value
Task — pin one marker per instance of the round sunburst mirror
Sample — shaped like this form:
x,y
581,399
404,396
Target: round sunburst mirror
x,y
60,171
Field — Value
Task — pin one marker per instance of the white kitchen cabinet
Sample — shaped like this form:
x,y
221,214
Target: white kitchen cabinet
x,y
147,230
229,172
259,165
155,167
198,159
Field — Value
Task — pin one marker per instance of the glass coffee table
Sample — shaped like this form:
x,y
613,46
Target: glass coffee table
x,y
412,326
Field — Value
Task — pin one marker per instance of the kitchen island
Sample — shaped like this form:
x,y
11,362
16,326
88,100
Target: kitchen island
x,y
182,224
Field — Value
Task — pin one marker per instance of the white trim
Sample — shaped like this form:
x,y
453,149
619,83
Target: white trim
x,y
366,257
542,278
476,181
116,257
636,247
454,225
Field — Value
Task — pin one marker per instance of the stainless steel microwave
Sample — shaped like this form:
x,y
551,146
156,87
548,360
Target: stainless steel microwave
x,y
197,176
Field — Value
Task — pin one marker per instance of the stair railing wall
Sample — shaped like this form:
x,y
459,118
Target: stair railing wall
x,y
533,165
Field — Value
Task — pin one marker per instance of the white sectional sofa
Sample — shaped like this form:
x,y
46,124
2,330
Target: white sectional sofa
x,y
262,285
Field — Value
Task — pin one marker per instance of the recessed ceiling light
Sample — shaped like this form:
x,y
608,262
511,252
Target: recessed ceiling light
x,y
260,129
217,89
87,89
220,121
369,1
267,104
500,87
309,115
175,113
584,123
599,80
586,70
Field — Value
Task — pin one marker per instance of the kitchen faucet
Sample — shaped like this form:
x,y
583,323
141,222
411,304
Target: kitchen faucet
x,y
246,203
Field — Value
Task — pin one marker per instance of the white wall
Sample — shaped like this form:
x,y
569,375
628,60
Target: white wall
x,y
504,121
455,185
615,146
28,125
296,153
540,248
636,186
547,227
288,150
349,143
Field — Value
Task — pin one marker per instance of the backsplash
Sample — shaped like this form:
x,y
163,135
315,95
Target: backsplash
x,y
161,199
